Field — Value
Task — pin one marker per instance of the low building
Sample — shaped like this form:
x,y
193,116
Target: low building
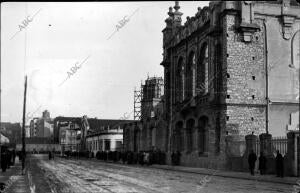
x,y
105,135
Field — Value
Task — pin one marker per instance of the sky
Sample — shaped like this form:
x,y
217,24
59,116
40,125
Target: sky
x,y
78,62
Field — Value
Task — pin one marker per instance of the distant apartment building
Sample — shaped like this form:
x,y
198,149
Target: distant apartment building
x,y
27,131
42,127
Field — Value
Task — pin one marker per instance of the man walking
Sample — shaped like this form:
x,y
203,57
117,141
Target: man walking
x,y
251,161
4,161
279,165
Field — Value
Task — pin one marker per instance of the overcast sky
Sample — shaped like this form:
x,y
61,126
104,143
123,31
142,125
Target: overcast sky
x,y
59,36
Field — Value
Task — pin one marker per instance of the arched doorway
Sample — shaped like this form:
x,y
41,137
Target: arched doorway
x,y
178,137
189,134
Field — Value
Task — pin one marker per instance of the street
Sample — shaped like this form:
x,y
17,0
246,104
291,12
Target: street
x,y
69,175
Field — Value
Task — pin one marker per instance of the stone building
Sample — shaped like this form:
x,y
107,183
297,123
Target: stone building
x,y
230,70
149,133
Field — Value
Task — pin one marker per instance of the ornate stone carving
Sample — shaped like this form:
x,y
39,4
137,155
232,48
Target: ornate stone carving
x,y
205,15
287,26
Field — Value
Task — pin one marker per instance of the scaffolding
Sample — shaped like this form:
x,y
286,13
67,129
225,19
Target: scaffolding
x,y
152,89
137,104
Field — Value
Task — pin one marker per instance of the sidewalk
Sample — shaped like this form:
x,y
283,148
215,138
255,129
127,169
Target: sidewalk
x,y
15,182
231,174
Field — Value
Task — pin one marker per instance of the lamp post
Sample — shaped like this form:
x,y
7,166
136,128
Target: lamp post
x,y
23,127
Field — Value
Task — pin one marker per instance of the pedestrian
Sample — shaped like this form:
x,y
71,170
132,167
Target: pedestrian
x,y
8,159
251,161
262,163
178,156
49,154
13,157
279,165
146,158
4,161
173,158
141,158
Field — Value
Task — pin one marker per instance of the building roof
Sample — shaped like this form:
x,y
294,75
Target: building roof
x,y
102,125
96,125
37,140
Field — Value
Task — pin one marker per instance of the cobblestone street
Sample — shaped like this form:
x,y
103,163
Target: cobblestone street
x,y
67,175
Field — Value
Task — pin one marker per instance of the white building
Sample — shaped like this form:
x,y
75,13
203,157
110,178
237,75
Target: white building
x,y
105,135
107,140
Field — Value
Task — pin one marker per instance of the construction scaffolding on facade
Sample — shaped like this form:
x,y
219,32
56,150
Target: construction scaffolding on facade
x,y
150,91
137,106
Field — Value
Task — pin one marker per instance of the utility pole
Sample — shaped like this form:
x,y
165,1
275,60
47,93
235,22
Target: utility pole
x,y
23,127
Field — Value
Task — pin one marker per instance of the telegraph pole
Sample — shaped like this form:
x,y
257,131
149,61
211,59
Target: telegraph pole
x,y
23,127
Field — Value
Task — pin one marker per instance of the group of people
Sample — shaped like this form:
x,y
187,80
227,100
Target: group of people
x,y
144,157
7,159
129,157
262,167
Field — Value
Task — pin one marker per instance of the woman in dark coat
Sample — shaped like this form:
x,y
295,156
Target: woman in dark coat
x,y
262,163
251,161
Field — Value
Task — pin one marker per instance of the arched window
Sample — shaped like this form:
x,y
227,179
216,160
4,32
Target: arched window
x,y
178,137
189,134
179,77
296,50
190,74
218,68
152,136
295,57
202,134
202,71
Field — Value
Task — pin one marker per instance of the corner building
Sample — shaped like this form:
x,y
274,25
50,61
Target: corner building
x,y
230,70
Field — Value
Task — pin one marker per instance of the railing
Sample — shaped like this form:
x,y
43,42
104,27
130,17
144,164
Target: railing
x,y
257,147
278,143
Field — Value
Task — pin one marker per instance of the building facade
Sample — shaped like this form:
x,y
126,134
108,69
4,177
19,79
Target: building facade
x,y
232,69
68,135
149,133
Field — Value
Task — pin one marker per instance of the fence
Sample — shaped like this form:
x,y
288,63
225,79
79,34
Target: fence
x,y
278,143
